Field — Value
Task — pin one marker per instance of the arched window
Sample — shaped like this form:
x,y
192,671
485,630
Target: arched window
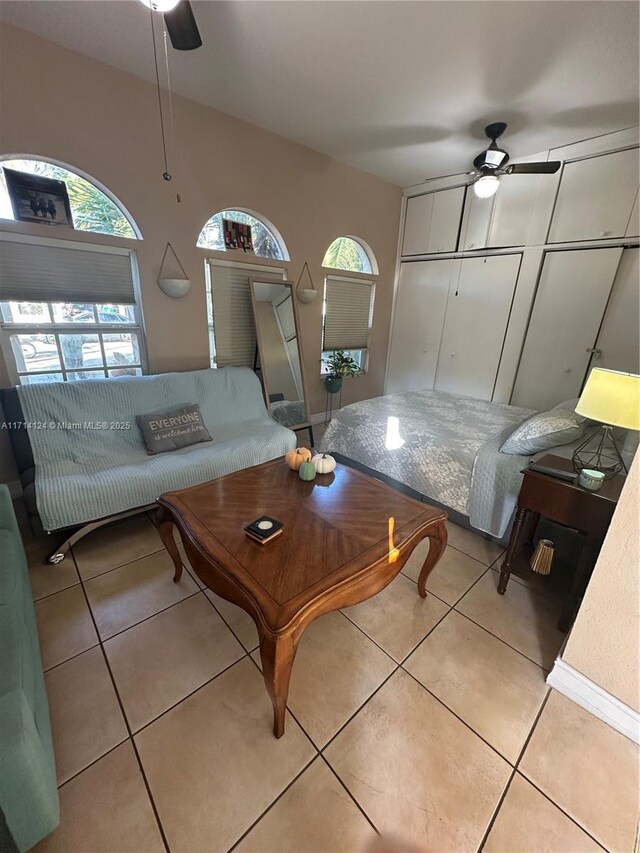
x,y
92,209
267,243
348,303
347,253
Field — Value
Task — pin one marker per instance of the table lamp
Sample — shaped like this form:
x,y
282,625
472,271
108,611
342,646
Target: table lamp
x,y
613,398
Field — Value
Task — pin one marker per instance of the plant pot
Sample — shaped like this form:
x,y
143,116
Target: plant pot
x,y
333,384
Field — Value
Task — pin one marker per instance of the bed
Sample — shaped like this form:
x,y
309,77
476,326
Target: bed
x,y
442,446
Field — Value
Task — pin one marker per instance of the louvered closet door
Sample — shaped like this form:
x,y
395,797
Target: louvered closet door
x,y
417,327
475,325
569,305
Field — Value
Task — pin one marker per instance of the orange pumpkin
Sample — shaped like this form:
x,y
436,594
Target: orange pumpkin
x,y
296,457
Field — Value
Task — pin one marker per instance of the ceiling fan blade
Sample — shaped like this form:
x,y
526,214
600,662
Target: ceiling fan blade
x,y
548,168
182,28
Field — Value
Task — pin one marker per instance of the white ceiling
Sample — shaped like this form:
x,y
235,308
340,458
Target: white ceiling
x,y
399,89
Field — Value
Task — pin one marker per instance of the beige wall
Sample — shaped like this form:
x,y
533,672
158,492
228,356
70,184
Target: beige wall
x,y
104,122
604,644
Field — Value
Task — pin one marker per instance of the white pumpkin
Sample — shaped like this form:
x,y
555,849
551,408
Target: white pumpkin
x,y
323,463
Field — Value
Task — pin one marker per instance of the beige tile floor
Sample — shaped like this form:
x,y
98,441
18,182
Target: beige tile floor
x,y
427,721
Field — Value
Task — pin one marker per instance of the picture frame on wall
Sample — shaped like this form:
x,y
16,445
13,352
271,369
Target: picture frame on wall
x,y
35,198
237,235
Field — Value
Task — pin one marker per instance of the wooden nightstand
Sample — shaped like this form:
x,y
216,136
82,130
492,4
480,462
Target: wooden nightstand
x,y
566,503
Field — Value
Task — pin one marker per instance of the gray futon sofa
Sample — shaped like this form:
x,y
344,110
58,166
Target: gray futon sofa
x,y
82,459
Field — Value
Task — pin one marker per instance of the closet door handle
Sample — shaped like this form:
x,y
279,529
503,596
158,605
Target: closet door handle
x,y
597,353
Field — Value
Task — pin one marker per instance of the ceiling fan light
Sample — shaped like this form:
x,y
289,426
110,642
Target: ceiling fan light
x,y
486,186
160,5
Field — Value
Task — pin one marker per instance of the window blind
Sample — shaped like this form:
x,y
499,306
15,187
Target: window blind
x,y
44,272
233,326
348,312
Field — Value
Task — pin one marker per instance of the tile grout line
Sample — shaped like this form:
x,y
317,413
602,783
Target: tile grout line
x,y
272,804
561,809
459,718
515,770
388,654
189,695
126,722
496,810
455,607
504,642
147,618
351,796
531,782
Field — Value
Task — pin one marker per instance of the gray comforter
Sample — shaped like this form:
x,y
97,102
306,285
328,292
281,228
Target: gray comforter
x,y
442,445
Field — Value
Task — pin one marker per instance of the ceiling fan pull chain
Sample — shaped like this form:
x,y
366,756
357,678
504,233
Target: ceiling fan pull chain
x,y
170,93
166,174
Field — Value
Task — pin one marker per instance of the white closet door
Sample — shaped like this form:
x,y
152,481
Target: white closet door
x,y
596,197
633,228
619,339
417,224
445,220
417,325
569,305
475,325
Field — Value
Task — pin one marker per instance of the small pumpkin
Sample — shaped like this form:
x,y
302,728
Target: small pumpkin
x,y
307,471
324,464
296,457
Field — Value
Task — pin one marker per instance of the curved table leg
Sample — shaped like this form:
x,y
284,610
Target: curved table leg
x,y
277,654
437,544
165,526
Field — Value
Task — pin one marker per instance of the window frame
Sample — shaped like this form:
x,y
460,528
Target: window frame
x,y
137,234
369,279
8,328
366,250
266,224
260,269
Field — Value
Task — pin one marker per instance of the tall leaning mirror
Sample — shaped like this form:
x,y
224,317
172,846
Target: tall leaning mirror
x,y
280,367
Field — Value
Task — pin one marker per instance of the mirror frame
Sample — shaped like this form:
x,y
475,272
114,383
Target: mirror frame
x,y
263,378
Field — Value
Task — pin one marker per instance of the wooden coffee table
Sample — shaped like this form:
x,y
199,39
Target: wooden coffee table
x,y
346,536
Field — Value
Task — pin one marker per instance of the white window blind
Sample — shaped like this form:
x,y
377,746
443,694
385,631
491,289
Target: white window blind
x,y
45,271
348,313
233,325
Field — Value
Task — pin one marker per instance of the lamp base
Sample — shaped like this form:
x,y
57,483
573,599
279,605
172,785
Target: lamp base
x,y
599,452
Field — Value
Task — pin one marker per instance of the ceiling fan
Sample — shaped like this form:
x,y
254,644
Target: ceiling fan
x,y
491,164
180,22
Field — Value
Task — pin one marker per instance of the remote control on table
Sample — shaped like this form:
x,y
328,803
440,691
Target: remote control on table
x,y
552,472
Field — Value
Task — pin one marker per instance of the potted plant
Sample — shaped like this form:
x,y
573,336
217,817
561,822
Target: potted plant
x,y
339,366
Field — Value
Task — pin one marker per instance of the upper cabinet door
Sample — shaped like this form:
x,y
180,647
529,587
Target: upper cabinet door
x,y
417,224
432,222
475,325
477,219
596,197
512,210
417,324
445,220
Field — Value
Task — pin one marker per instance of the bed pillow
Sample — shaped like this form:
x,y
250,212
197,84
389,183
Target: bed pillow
x,y
544,431
164,431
